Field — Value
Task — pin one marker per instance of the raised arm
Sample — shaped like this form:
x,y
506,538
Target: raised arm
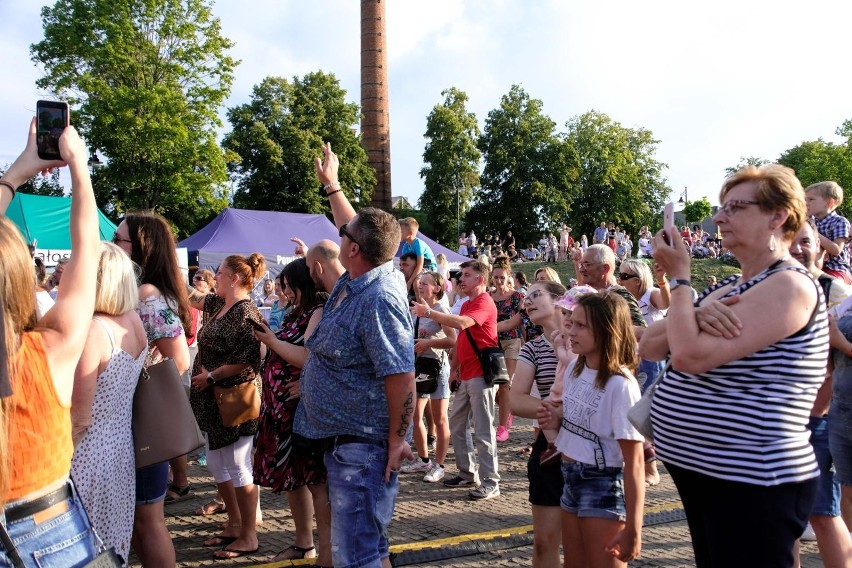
x,y
27,165
66,325
341,209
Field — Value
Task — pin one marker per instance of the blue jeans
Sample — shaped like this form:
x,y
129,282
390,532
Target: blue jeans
x,y
361,504
65,541
827,502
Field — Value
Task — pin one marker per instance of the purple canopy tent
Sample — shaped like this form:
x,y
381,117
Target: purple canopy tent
x,y
244,231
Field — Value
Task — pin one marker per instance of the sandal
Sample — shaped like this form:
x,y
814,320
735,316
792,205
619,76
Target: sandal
x,y
231,554
218,541
212,507
300,552
177,494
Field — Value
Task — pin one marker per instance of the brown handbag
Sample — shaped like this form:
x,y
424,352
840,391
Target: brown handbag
x,y
164,425
237,404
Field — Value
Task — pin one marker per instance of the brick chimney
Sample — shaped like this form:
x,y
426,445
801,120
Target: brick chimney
x,y
375,108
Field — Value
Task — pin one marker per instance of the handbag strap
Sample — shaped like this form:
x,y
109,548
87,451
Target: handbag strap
x,y
473,343
9,547
662,372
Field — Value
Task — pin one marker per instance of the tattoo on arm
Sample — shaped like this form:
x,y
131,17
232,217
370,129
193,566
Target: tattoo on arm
x,y
405,419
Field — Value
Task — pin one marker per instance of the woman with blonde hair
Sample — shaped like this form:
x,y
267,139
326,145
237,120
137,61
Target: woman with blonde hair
x,y
102,405
744,461
43,513
546,273
229,355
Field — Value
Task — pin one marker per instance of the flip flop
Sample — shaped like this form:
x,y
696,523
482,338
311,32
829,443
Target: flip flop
x,y
233,553
180,493
212,507
220,541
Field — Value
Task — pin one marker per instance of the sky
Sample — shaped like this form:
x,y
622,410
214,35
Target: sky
x,y
713,81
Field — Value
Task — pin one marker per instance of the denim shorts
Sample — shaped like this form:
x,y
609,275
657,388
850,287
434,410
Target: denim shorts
x,y
152,483
593,492
827,502
840,437
361,504
443,390
61,542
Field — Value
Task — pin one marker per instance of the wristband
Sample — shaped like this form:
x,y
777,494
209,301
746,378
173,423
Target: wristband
x,y
210,379
330,193
675,282
9,185
329,185
662,283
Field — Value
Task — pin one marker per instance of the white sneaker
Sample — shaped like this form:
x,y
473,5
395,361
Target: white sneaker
x,y
808,534
435,473
416,466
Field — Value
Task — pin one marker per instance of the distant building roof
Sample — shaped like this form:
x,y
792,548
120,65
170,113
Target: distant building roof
x,y
400,202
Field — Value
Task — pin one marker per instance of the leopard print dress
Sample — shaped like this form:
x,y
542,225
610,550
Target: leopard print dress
x,y
227,339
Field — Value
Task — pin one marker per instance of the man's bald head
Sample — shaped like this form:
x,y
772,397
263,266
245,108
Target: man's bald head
x,y
324,251
323,260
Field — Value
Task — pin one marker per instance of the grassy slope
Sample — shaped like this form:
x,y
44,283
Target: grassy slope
x,y
701,269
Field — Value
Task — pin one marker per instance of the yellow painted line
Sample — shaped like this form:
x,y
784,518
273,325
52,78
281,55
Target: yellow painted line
x,y
437,543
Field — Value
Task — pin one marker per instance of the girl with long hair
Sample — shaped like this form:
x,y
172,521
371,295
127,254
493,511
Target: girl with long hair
x,y
603,469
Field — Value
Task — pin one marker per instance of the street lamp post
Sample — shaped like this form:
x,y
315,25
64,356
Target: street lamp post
x,y
684,197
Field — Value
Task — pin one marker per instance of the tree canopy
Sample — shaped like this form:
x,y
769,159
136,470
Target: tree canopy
x,y
146,79
276,136
697,211
619,179
818,161
528,171
451,168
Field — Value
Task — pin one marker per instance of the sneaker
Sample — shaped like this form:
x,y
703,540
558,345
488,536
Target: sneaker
x,y
431,441
808,534
459,481
435,473
416,466
502,434
484,492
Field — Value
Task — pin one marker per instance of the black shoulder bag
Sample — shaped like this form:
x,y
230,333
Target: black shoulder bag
x,y
492,361
426,370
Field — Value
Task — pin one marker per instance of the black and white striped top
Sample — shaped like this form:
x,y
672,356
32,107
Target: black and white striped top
x,y
746,420
539,354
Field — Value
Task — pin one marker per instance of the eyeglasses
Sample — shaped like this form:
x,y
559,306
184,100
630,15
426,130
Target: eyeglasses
x,y
731,207
623,276
116,239
343,232
586,264
198,277
531,297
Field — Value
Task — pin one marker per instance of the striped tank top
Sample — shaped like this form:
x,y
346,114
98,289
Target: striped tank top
x,y
746,420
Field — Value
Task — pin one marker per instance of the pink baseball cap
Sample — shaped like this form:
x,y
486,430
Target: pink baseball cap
x,y
568,301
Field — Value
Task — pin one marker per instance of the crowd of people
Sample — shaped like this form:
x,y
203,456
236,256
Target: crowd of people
x,y
365,371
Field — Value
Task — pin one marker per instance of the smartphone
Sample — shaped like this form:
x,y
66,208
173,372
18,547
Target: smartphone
x,y
52,118
257,326
668,221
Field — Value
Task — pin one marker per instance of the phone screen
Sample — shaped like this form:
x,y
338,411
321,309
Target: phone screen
x,y
668,220
52,118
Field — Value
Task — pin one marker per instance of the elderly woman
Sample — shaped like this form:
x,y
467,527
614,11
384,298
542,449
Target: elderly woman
x,y
229,355
730,418
43,514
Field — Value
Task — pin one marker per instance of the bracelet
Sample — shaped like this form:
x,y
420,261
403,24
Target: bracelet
x,y
333,192
662,283
330,185
9,185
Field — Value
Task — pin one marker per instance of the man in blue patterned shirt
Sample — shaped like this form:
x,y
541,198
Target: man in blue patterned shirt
x,y
357,385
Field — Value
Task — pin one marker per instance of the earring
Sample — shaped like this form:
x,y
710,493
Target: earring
x,y
772,243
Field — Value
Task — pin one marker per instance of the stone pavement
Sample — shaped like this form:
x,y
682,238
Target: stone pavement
x,y
439,526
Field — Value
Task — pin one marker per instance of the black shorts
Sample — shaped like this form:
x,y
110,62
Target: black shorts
x,y
545,482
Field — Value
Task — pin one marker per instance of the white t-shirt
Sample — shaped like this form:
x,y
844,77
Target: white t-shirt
x,y
594,420
456,309
43,303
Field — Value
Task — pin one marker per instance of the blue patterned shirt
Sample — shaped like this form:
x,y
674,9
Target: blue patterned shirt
x,y
833,227
358,342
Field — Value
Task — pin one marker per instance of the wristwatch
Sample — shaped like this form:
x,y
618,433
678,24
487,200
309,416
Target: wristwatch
x,y
675,282
210,380
427,313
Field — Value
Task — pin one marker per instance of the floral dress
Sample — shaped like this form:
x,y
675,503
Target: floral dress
x,y
505,310
276,465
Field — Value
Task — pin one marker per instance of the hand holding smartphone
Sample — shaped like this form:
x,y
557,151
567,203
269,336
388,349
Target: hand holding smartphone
x,y
51,117
259,327
668,222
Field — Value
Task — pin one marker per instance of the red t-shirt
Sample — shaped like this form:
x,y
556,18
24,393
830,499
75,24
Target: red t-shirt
x,y
484,312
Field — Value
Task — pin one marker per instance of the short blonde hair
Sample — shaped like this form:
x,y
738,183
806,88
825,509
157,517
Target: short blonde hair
x,y
641,269
118,285
777,188
410,222
828,190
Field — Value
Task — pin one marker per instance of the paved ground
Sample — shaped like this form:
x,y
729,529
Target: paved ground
x,y
439,526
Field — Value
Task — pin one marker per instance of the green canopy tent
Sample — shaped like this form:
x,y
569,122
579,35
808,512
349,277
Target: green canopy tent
x,y
46,221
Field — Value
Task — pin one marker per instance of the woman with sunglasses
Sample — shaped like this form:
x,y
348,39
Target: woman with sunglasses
x,y
148,240
635,275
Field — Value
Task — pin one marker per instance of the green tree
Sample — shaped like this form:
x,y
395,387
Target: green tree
x,y
528,171
745,161
818,161
697,211
148,78
41,185
451,170
619,178
278,134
